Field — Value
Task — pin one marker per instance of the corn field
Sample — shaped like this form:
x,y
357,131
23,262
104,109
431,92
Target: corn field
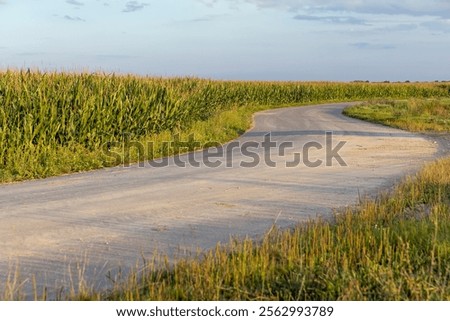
x,y
53,123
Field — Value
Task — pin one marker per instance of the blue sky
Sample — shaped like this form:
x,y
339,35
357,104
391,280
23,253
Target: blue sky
x,y
231,39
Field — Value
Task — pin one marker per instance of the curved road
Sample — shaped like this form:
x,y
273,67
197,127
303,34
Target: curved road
x,y
90,223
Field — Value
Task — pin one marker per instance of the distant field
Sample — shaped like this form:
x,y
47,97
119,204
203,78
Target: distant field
x,y
55,123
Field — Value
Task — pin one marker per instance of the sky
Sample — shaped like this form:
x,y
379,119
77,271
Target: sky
x,y
339,40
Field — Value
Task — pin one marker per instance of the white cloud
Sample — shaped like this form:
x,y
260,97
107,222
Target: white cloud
x,y
132,6
439,8
333,19
75,3
379,15
367,45
74,18
209,3
440,25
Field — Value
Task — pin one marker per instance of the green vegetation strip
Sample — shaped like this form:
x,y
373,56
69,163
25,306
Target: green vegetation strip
x,y
413,115
56,123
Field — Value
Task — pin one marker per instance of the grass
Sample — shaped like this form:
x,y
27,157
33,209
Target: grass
x,y
413,114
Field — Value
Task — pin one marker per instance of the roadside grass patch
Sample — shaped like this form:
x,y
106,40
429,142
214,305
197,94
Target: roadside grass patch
x,y
413,114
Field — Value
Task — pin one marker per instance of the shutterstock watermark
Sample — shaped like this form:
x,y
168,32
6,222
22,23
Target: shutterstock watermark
x,y
245,153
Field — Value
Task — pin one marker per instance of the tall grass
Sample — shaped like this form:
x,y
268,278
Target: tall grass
x,y
53,123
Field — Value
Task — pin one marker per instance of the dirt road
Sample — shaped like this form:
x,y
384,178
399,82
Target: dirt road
x,y
113,217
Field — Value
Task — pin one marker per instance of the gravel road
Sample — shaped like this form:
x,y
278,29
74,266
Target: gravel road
x,y
90,223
